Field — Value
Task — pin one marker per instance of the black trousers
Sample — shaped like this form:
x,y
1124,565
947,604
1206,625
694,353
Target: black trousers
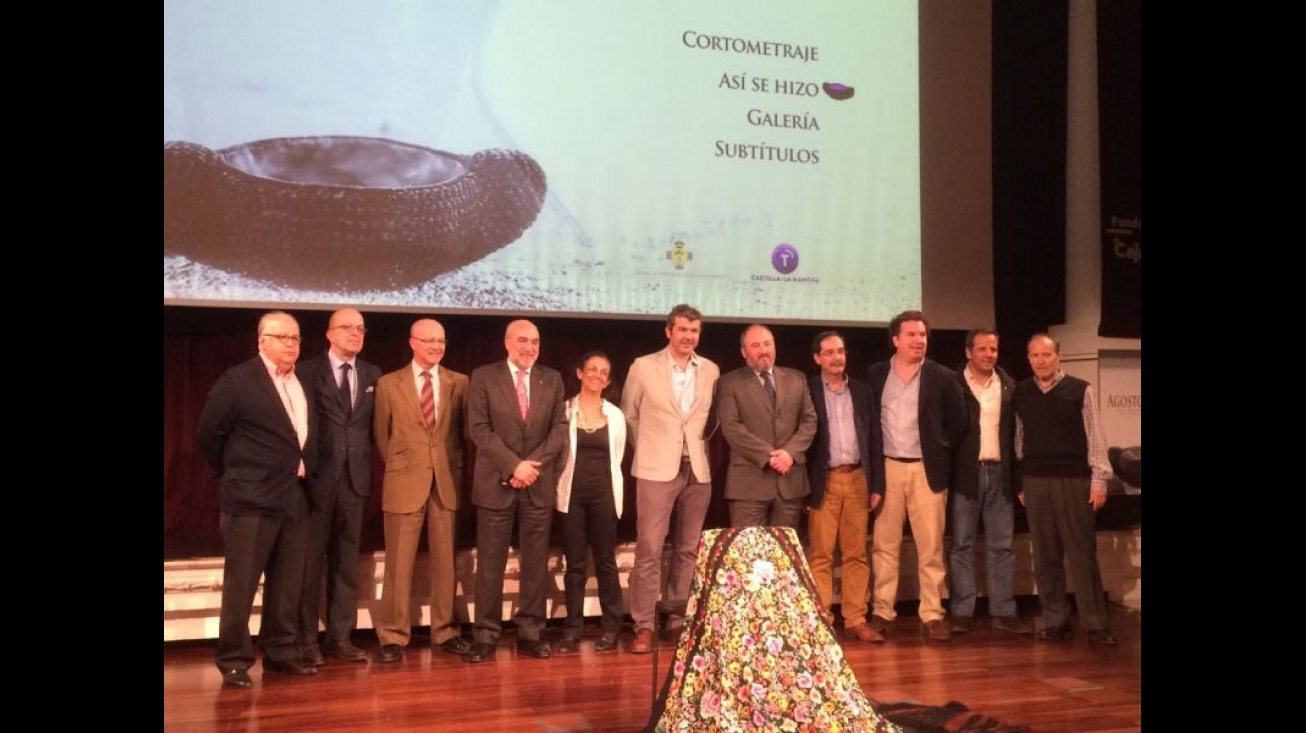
x,y
493,537
590,528
257,545
335,527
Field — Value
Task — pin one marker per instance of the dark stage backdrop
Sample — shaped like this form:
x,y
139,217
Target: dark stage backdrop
x,y
1120,103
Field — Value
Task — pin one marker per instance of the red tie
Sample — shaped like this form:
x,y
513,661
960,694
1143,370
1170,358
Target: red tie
x,y
428,401
523,401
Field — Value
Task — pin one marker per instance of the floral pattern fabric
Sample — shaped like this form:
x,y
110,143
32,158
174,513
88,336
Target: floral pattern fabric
x,y
755,653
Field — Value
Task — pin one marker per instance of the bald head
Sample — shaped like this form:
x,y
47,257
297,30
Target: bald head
x,y
1044,356
345,333
426,339
522,342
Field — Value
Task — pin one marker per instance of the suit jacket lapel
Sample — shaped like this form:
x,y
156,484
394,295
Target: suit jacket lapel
x,y
508,386
442,409
410,394
270,391
324,378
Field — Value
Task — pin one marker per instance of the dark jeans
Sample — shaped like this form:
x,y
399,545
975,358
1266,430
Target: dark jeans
x,y
997,510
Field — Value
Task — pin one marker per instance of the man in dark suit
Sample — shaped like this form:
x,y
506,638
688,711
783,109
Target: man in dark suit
x,y
838,464
918,418
258,434
516,420
342,387
419,432
768,420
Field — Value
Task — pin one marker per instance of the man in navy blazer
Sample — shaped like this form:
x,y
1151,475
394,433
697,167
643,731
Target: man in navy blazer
x,y
839,465
343,389
258,434
516,420
919,417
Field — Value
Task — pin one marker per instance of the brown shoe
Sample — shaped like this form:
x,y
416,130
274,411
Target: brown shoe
x,y
1013,624
865,633
643,642
961,624
880,624
937,630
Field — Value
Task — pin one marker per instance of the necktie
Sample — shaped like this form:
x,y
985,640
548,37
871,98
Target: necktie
x,y
523,400
769,386
346,395
428,401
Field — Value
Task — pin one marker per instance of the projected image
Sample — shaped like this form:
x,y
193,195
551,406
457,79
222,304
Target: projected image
x,y
545,157
343,213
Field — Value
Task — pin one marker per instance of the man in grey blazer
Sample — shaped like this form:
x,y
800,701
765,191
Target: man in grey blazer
x,y
667,400
768,419
516,420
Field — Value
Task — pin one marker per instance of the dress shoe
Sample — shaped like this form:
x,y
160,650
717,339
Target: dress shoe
x,y
567,645
643,642
533,648
312,656
237,678
346,651
1013,624
1055,633
880,624
287,666
961,624
1102,637
607,642
865,633
937,630
456,645
388,653
481,651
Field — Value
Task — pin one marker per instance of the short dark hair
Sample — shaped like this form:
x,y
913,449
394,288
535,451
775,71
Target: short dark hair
x,y
613,391
980,331
580,363
895,326
816,342
685,311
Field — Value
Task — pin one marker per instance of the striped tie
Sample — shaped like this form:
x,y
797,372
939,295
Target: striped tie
x,y
428,401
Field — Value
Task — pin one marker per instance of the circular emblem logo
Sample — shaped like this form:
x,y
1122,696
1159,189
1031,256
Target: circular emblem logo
x,y
784,258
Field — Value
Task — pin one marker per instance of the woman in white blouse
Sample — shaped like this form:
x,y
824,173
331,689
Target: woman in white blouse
x,y
590,495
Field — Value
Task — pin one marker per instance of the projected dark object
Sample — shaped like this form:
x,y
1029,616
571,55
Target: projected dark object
x,y
835,90
344,212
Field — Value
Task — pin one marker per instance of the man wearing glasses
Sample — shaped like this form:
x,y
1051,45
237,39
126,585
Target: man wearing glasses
x,y
419,432
258,433
342,387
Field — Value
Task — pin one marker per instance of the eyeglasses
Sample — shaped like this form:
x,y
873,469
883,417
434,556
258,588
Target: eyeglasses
x,y
285,338
345,327
429,342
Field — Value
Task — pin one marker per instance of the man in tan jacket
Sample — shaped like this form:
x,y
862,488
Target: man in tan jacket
x,y
668,402
418,428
